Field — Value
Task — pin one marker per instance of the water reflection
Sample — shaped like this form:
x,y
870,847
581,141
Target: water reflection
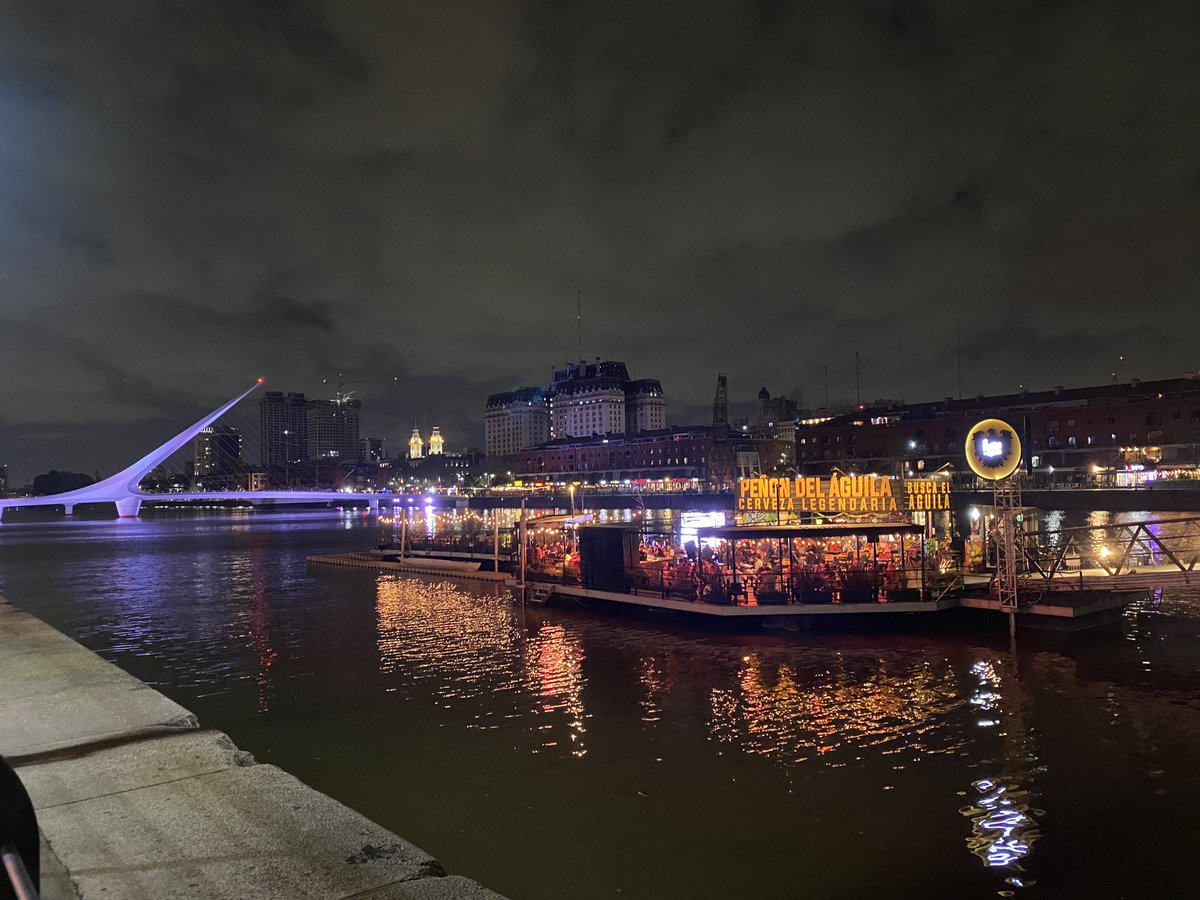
x,y
654,685
260,632
437,632
797,714
438,637
1003,824
987,696
1004,830
554,675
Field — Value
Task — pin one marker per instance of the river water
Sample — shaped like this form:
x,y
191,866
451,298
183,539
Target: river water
x,y
560,753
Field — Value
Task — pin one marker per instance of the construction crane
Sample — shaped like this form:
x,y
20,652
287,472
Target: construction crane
x,y
341,382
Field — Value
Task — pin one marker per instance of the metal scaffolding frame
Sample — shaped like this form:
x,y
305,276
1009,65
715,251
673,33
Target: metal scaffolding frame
x,y
1006,495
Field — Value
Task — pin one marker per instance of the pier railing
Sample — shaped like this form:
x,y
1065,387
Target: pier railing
x,y
20,884
457,543
1093,556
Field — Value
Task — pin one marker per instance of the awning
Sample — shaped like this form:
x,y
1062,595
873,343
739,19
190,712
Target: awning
x,y
787,532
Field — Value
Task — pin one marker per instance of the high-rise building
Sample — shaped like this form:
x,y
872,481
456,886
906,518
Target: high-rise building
x,y
645,406
219,464
333,429
373,449
516,420
600,398
775,409
284,426
435,442
587,399
776,415
416,445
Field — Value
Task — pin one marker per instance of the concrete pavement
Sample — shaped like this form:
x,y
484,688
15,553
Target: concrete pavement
x,y
136,801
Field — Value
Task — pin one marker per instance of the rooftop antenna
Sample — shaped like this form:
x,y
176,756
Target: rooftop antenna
x,y
857,381
958,351
721,402
579,321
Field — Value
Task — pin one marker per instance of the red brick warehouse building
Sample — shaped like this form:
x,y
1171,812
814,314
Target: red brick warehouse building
x,y
1079,431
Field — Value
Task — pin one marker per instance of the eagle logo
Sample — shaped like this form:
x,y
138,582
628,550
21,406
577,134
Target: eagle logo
x,y
992,447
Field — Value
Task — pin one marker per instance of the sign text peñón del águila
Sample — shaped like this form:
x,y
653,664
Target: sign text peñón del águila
x,y
841,493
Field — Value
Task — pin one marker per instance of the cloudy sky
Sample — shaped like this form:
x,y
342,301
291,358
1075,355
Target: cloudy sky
x,y
196,193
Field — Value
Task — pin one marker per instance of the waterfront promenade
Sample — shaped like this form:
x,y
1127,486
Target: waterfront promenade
x,y
135,800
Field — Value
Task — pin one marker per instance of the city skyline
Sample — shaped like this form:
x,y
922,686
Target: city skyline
x,y
766,191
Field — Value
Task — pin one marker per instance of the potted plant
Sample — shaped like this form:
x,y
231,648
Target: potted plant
x,y
812,587
859,585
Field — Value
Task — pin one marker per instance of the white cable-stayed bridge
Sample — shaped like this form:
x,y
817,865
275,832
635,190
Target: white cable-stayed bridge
x,y
124,488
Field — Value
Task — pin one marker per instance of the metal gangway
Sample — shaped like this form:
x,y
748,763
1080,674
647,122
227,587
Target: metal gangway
x,y
1111,557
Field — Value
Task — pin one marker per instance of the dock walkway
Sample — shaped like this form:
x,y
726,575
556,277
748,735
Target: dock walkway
x,y
135,800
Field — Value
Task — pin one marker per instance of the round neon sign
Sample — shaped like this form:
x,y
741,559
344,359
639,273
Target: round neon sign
x,y
993,449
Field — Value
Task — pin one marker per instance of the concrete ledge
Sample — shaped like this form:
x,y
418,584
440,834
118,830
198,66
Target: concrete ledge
x,y
56,883
452,887
101,770
240,832
57,693
134,801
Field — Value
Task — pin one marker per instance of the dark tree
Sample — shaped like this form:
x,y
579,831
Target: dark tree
x,y
55,482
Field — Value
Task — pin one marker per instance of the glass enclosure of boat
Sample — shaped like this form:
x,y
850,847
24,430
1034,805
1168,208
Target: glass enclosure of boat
x,y
746,565
692,556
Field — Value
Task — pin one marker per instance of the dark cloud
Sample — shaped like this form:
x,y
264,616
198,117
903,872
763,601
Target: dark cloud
x,y
195,194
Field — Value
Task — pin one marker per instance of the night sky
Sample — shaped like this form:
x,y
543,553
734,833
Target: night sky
x,y
194,194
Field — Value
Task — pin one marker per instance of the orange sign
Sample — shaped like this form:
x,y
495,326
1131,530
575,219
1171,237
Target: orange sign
x,y
840,494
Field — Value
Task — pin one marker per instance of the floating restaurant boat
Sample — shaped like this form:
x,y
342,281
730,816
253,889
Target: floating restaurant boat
x,y
804,549
751,571
788,577
871,549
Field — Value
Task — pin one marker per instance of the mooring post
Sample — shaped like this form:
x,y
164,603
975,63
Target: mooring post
x,y
495,540
521,534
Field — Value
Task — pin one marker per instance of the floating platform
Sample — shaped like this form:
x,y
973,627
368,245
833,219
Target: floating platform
x,y
410,565
1057,610
1065,610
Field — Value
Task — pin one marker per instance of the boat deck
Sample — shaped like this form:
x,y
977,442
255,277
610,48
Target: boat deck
x,y
1059,605
753,610
1062,606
